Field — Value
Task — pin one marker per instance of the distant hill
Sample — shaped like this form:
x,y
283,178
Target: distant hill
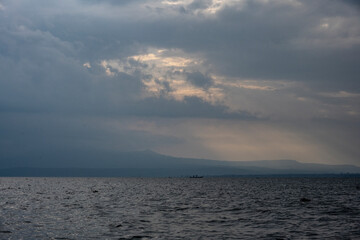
x,y
151,164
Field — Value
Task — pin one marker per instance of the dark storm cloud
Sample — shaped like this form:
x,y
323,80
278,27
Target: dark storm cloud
x,y
112,2
52,140
199,79
258,41
353,2
49,79
201,4
278,42
41,72
51,55
190,107
262,40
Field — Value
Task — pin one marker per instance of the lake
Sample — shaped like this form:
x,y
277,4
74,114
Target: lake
x,y
180,208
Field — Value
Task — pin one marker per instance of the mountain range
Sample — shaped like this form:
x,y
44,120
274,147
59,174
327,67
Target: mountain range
x,y
151,164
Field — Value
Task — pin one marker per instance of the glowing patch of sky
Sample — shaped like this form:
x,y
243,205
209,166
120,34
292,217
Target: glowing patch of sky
x,y
165,66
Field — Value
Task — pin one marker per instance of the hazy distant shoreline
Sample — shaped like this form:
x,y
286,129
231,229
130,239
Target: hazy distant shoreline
x,y
143,173
151,164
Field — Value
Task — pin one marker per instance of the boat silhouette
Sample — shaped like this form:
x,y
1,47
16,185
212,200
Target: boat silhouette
x,y
196,176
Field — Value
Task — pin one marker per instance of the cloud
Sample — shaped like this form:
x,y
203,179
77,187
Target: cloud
x,y
273,61
261,40
167,72
49,78
190,107
87,65
200,80
53,140
341,94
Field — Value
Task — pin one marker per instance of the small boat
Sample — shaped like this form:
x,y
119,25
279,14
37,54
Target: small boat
x,y
196,176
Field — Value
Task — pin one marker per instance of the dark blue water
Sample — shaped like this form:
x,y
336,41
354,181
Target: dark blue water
x,y
179,208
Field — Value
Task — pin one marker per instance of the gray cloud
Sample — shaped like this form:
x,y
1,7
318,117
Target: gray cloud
x,y
262,41
199,79
53,140
191,107
312,47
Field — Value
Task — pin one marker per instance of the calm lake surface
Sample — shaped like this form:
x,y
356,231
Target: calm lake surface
x,y
180,208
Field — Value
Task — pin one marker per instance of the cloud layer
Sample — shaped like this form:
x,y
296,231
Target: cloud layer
x,y
230,79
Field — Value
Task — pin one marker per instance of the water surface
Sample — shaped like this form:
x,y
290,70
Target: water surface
x,y
179,208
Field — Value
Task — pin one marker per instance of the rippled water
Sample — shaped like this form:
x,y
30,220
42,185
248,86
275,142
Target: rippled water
x,y
179,208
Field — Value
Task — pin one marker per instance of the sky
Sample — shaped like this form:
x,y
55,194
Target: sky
x,y
218,79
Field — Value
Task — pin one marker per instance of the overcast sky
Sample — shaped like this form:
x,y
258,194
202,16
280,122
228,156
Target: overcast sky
x,y
218,79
